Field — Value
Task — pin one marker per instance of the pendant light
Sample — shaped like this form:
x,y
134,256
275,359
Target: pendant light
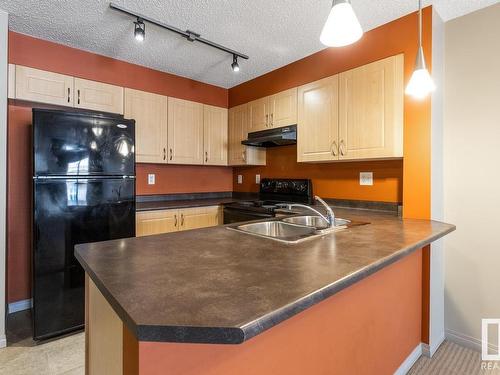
x,y
421,83
342,26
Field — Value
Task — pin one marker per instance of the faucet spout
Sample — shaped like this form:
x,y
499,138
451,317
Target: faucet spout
x,y
330,216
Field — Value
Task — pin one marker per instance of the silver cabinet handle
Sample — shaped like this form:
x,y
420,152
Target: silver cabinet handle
x,y
334,148
69,93
267,120
170,154
272,119
341,147
78,93
182,220
206,156
244,155
164,153
175,220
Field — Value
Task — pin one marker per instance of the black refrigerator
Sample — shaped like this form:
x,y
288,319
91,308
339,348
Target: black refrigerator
x,y
83,191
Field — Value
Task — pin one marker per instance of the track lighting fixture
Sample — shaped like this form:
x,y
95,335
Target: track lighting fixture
x,y
421,83
342,26
140,30
234,65
140,33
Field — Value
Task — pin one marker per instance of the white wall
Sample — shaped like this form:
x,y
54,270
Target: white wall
x,y
437,334
472,173
3,167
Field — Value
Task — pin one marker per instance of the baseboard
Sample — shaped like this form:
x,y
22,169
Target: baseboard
x,y
467,341
24,304
409,361
429,350
3,341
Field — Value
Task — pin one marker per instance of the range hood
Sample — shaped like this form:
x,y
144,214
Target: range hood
x,y
286,135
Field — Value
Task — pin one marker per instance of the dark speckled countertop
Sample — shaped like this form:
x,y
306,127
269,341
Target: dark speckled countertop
x,y
216,285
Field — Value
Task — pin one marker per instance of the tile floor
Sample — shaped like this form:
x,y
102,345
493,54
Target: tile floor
x,y
24,356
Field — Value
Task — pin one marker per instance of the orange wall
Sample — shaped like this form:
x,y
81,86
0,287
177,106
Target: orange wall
x,y
399,36
330,180
369,328
37,53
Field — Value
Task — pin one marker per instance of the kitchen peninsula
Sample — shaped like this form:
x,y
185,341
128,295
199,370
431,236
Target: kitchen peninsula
x,y
216,301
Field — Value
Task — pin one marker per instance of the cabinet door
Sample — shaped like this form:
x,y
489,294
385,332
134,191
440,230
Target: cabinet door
x,y
98,96
283,108
258,112
43,87
317,125
156,222
371,110
150,114
215,135
11,83
199,217
185,132
238,130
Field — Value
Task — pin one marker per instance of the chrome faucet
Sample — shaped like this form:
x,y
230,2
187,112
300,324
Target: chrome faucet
x,y
329,218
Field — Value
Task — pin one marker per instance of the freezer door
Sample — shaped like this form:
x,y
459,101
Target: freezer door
x,y
71,143
69,212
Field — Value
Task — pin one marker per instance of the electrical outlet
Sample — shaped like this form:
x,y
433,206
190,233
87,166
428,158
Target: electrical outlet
x,y
151,179
257,178
366,178
240,179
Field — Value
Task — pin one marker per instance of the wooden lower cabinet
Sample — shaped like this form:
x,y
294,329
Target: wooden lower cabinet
x,y
155,222
166,221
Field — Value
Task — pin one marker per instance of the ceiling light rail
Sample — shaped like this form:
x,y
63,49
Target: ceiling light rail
x,y
188,34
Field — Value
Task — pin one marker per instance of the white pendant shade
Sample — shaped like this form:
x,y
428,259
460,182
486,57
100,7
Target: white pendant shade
x,y
421,84
342,26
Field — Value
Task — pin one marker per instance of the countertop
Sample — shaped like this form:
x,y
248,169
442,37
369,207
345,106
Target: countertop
x,y
182,203
215,285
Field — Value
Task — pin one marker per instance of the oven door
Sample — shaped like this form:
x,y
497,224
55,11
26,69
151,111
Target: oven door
x,y
235,215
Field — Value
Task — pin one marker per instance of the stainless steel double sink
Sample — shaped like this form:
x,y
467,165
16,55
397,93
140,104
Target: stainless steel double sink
x,y
293,229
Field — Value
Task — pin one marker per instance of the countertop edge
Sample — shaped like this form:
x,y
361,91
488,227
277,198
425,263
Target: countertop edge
x,y
272,319
236,335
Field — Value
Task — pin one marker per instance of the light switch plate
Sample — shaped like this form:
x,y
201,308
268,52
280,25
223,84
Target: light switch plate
x,y
366,178
257,178
240,179
151,179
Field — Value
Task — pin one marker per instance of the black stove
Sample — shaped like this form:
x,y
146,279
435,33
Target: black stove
x,y
272,192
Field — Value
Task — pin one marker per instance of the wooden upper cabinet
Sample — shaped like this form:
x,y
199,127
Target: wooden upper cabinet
x,y
371,110
44,87
258,112
11,83
98,96
317,125
215,135
150,114
283,108
273,111
185,132
237,132
155,222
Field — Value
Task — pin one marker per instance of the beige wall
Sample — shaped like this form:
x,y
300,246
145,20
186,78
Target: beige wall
x,y
472,173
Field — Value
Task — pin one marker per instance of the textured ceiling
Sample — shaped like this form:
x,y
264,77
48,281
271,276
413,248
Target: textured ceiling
x,y
272,32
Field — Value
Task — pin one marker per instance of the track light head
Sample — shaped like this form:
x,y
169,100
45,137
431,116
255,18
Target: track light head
x,y
234,65
139,30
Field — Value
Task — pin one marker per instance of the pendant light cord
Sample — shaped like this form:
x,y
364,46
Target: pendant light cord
x,y
420,23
